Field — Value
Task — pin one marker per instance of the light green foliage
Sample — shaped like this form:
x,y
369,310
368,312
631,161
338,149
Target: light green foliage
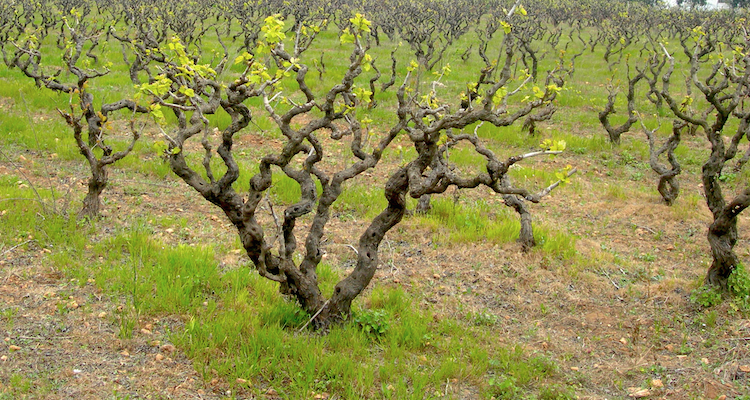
x,y
360,25
739,286
273,30
706,296
563,176
372,322
499,95
504,387
553,145
557,392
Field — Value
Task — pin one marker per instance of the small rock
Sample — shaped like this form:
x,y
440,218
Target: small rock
x,y
623,341
168,348
704,360
159,357
214,381
145,331
638,393
102,314
656,383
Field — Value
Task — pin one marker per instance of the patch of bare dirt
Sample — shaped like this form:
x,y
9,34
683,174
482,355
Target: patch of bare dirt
x,y
63,340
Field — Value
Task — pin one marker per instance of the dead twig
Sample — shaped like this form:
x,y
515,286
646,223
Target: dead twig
x,y
314,316
17,246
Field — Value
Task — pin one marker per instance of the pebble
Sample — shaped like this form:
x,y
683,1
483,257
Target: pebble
x,y
168,348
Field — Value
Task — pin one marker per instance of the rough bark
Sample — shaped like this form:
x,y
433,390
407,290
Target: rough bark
x,y
615,132
668,186
367,250
96,185
724,87
526,235
423,205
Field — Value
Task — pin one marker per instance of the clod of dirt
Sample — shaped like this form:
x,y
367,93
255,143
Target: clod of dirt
x,y
168,348
637,393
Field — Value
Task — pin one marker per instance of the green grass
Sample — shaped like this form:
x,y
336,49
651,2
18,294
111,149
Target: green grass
x,y
485,221
239,325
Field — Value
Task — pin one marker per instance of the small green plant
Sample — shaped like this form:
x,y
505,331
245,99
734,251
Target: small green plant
x,y
627,159
739,286
727,177
8,314
62,308
127,318
504,387
484,318
372,322
20,384
636,176
706,296
707,319
684,349
556,392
